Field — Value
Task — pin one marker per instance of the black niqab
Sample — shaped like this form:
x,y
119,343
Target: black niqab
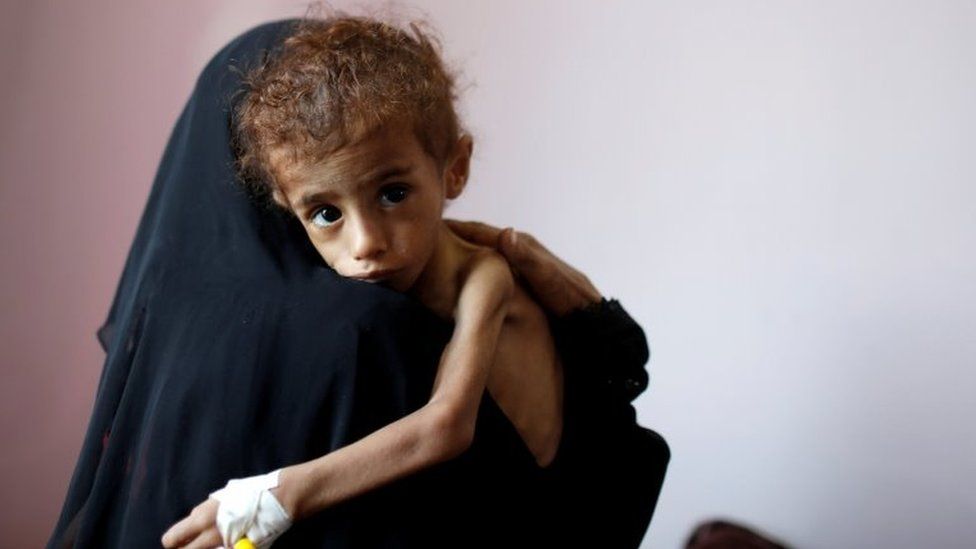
x,y
233,350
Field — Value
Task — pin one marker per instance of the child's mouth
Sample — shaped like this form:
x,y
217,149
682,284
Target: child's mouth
x,y
375,276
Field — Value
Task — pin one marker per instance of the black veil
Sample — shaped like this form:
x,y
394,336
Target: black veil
x,y
233,350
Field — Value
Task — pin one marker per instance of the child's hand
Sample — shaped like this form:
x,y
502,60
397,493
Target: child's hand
x,y
556,285
244,507
198,529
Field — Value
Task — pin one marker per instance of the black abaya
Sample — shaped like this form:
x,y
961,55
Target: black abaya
x,y
233,350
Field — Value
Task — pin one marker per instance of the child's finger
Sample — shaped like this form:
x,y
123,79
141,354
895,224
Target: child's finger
x,y
180,533
200,519
206,540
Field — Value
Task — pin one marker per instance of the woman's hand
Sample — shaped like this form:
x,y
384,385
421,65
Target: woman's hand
x,y
556,285
200,529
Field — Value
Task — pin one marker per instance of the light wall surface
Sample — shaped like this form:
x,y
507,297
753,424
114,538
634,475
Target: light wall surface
x,y
781,193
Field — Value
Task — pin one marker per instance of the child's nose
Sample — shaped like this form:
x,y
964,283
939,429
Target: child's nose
x,y
369,240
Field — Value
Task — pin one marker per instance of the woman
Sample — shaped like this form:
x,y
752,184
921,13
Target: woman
x,y
232,351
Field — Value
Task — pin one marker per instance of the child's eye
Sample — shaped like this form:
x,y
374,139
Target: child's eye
x,y
328,215
394,193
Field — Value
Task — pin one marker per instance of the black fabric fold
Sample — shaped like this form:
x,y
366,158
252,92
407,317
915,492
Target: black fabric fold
x,y
604,343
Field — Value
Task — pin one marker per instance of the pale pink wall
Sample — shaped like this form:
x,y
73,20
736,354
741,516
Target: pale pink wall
x,y
780,193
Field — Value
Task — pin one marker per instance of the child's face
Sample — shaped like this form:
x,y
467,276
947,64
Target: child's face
x,y
376,205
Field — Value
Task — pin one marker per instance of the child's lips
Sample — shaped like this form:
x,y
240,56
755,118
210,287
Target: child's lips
x,y
374,276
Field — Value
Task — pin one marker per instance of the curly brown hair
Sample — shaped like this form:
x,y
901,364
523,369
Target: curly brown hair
x,y
332,82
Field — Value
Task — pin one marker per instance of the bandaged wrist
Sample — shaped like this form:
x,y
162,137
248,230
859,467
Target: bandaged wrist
x,y
248,508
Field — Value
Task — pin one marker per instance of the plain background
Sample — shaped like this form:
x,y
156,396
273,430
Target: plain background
x,y
781,193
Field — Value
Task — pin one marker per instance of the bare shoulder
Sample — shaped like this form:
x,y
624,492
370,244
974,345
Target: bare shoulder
x,y
487,267
487,283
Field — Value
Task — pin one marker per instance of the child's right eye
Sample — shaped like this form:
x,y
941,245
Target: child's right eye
x,y
326,216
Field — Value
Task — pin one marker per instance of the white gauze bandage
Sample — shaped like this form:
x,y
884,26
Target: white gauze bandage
x,y
248,508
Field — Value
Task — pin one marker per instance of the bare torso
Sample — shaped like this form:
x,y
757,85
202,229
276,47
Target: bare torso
x,y
526,378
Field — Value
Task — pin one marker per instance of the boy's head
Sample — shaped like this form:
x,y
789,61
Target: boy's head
x,y
351,129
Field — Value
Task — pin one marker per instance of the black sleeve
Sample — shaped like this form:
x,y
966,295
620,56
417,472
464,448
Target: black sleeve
x,y
612,468
606,348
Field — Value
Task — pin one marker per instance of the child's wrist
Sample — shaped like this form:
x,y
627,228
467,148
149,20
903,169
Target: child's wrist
x,y
292,491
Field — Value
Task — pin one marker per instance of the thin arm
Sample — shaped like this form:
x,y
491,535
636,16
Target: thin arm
x,y
441,429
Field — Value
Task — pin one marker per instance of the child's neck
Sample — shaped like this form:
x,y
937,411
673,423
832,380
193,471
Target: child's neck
x,y
438,284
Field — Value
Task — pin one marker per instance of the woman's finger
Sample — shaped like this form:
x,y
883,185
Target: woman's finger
x,y
475,231
556,285
506,240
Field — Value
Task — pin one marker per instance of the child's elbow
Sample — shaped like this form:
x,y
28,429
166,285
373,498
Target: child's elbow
x,y
454,435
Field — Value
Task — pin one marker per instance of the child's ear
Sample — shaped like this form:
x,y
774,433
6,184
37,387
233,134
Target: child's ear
x,y
279,198
456,175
